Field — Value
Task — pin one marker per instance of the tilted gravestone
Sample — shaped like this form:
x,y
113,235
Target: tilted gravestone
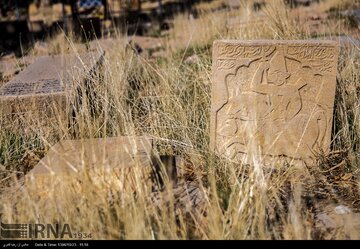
x,y
272,98
40,92
72,156
127,159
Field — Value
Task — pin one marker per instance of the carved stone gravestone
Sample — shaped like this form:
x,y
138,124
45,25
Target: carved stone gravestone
x,y
272,98
39,92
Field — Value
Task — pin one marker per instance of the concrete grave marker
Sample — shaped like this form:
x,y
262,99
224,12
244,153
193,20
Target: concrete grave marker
x,y
272,97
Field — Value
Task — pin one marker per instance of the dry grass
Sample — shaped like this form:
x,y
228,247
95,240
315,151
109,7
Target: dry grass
x,y
170,100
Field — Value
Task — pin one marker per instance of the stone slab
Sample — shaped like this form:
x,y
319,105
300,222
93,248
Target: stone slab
x,y
40,90
114,165
50,74
272,98
72,156
337,219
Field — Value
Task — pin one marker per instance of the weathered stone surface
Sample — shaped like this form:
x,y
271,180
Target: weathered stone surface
x,y
121,162
108,45
49,74
273,98
39,91
338,220
193,59
107,166
72,156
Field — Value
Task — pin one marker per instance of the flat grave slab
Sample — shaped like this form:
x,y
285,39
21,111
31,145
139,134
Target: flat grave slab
x,y
72,156
119,164
40,90
49,74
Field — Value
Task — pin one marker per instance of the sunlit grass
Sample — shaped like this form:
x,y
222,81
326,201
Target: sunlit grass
x,y
169,100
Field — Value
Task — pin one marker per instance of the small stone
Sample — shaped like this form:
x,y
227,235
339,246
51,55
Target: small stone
x,y
342,210
194,59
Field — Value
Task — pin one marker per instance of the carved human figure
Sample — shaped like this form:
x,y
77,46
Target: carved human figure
x,y
265,107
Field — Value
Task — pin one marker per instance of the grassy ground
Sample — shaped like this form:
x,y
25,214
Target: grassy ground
x,y
170,100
